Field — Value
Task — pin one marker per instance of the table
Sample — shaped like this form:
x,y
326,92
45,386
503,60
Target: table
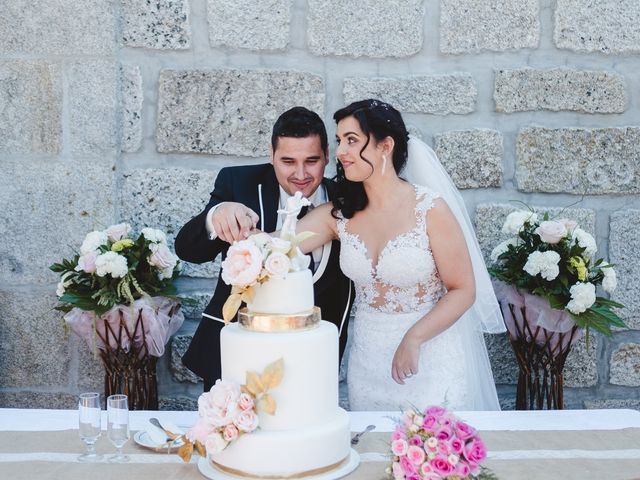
x,y
568,444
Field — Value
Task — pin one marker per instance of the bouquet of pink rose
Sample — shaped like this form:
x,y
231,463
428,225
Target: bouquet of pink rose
x,y
230,410
435,445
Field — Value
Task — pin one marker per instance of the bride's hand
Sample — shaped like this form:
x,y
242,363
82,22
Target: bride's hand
x,y
405,360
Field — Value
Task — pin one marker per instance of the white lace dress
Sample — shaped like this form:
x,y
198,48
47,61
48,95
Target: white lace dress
x,y
390,297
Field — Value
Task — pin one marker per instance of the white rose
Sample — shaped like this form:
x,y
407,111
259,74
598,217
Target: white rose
x,y
154,235
111,263
516,220
583,295
610,280
502,248
277,264
161,257
63,284
261,239
93,241
543,263
118,232
586,241
215,443
243,264
280,245
246,421
551,232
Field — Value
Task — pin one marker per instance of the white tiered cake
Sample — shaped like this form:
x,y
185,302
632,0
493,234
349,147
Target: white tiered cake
x,y
309,433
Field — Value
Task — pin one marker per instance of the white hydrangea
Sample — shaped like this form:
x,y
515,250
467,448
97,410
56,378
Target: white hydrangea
x,y
93,241
154,235
111,263
502,247
586,241
583,295
543,263
515,221
610,280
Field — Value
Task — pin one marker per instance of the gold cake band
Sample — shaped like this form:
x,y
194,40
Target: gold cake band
x,y
306,473
265,322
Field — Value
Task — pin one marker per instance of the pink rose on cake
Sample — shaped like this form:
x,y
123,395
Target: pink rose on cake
x,y
243,264
277,265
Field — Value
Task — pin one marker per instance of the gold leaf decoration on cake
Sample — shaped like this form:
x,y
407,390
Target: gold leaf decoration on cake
x,y
272,375
231,306
267,404
254,384
186,450
248,294
200,449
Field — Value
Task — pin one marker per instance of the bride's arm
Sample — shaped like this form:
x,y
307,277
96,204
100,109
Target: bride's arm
x,y
321,222
454,266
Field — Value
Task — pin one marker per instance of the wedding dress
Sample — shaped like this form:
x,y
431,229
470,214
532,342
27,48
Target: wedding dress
x,y
454,369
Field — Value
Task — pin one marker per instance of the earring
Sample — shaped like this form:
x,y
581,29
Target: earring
x,y
384,163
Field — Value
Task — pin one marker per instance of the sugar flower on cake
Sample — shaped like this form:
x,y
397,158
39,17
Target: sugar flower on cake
x,y
260,257
230,410
434,444
555,260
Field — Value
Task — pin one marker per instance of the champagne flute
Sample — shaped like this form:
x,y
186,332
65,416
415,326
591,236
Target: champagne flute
x,y
89,424
118,425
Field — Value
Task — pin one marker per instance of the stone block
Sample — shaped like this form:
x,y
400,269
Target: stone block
x,y
216,111
369,28
434,94
591,161
58,27
31,106
624,253
158,24
490,217
265,28
177,403
92,107
49,208
625,365
471,26
90,367
473,158
179,372
605,26
167,199
559,89
131,113
34,349
39,399
581,369
612,403
503,360
194,311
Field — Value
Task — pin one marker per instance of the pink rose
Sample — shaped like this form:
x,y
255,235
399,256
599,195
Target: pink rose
x,y
415,476
118,232
215,443
230,433
245,401
415,455
243,264
246,421
407,467
396,470
429,424
416,440
444,448
464,431
570,225
219,405
161,257
435,411
456,446
200,431
277,264
398,434
551,231
475,451
432,476
399,447
444,433
462,470
441,466
87,262
425,469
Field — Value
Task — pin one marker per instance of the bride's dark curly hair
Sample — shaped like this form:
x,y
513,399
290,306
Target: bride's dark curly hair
x,y
380,120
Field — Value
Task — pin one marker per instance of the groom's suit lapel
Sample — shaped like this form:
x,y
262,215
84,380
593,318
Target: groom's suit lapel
x,y
269,196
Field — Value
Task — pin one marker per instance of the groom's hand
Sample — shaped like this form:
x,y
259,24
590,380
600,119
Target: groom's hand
x,y
233,221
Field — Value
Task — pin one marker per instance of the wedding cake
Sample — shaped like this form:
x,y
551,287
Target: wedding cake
x,y
308,434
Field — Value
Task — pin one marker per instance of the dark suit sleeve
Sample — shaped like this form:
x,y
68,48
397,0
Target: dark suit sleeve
x,y
192,242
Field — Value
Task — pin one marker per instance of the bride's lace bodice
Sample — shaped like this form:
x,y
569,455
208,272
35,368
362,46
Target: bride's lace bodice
x,y
405,279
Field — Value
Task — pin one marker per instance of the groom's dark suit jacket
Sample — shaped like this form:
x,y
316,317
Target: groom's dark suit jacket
x,y
254,186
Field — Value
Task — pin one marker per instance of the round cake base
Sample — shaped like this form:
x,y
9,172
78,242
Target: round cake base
x,y
345,468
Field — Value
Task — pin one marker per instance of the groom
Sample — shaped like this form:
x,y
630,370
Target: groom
x,y
247,197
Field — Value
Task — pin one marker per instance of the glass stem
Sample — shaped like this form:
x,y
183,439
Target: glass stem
x,y
91,448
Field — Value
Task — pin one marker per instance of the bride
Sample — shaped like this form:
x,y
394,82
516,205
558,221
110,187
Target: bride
x,y
423,295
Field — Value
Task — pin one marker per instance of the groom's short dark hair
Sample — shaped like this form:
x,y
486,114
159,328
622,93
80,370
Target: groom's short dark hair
x,y
299,122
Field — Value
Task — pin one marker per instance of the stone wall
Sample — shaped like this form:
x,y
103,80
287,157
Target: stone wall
x,y
125,111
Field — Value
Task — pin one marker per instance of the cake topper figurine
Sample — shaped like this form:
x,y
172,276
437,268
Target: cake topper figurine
x,y
292,210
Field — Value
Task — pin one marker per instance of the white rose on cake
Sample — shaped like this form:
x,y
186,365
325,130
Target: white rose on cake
x,y
277,265
246,421
219,406
215,443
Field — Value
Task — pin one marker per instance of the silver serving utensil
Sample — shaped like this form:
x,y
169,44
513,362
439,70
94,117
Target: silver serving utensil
x,y
356,437
155,422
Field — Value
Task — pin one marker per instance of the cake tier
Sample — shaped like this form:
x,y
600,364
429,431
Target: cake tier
x,y
290,452
291,294
308,393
